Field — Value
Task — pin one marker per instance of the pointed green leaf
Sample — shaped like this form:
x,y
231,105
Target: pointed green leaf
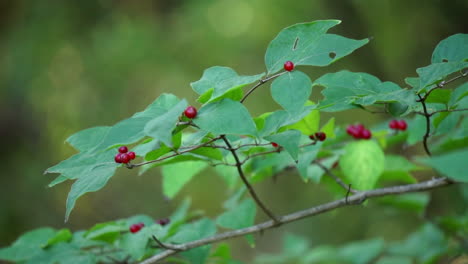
x,y
308,44
93,181
161,127
176,175
363,163
289,140
225,117
452,165
88,138
307,155
27,245
190,232
240,216
291,90
217,81
309,124
329,128
63,235
453,48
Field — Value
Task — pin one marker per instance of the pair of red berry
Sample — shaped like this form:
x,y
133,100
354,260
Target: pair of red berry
x,y
123,156
136,227
358,131
398,125
320,136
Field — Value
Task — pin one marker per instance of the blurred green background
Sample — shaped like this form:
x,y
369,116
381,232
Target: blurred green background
x,y
69,65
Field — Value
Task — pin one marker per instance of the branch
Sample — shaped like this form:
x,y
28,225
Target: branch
x,y
442,84
131,166
447,110
428,124
260,83
357,198
336,178
246,182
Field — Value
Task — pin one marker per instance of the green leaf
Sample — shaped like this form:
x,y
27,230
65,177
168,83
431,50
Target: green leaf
x,y
308,44
363,163
453,48
93,181
426,244
217,81
416,202
289,140
161,127
27,245
452,165
197,230
344,89
282,119
88,138
132,129
362,251
397,168
291,90
458,94
107,232
225,117
436,72
240,216
176,175
393,260
329,128
307,155
309,124
63,235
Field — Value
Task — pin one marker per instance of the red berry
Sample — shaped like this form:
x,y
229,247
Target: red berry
x,y
289,66
131,155
352,130
136,227
393,124
123,149
321,136
275,145
118,158
366,134
401,125
190,112
163,221
125,158
312,137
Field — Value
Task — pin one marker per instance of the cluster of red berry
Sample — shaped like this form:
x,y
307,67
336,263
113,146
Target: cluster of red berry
x,y
138,226
398,125
123,156
358,131
320,136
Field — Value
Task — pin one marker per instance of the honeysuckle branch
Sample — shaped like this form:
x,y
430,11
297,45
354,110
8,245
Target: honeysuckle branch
x,y
260,83
428,125
130,166
337,179
441,85
246,182
354,199
447,110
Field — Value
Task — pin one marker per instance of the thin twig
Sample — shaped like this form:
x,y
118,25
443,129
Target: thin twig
x,y
246,182
320,209
442,84
447,110
260,83
130,166
167,246
428,125
336,178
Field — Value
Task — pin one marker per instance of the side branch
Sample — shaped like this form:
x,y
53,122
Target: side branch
x,y
260,83
246,182
357,198
428,124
